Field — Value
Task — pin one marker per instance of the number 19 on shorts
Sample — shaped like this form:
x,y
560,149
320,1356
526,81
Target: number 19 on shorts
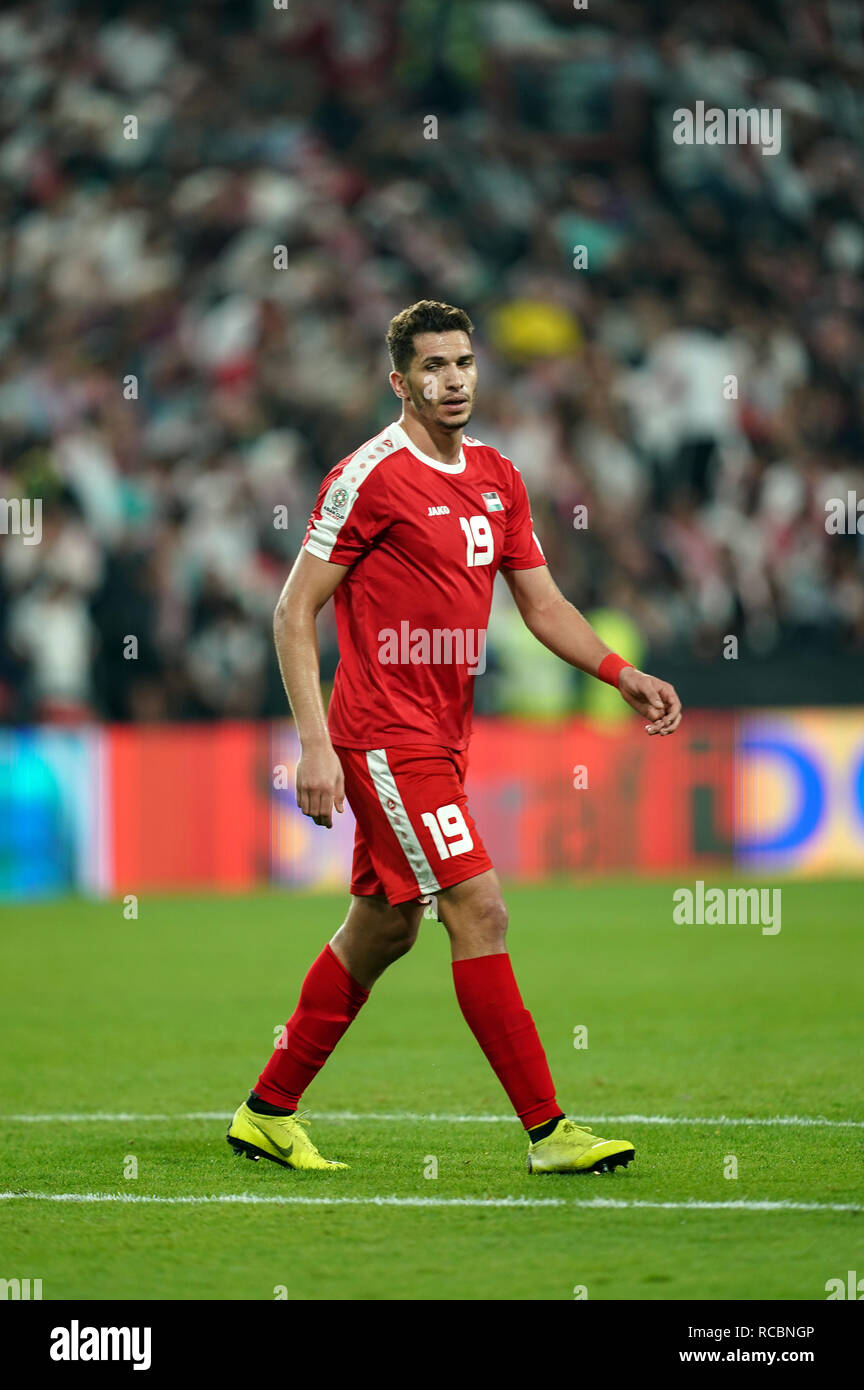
x,y
448,830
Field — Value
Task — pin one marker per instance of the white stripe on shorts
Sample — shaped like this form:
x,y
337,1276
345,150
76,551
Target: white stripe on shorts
x,y
394,809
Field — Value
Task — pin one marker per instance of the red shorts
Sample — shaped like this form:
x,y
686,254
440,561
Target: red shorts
x,y
415,834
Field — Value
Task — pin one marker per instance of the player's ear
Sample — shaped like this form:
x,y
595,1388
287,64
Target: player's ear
x,y
398,384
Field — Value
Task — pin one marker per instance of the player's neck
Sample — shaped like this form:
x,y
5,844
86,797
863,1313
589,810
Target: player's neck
x,y
443,445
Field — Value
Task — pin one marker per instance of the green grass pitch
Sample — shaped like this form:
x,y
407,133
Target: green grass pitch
x,y
173,1015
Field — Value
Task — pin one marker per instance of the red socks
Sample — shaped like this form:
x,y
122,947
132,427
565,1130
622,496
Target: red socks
x,y
488,997
329,1001
492,1005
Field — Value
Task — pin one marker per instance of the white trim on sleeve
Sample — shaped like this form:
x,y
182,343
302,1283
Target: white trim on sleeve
x,y
344,491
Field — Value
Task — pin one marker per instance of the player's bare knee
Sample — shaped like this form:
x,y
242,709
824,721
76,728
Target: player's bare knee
x,y
492,922
477,921
398,930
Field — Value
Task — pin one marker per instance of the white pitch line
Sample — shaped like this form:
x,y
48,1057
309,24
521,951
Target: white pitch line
x,y
254,1199
390,1117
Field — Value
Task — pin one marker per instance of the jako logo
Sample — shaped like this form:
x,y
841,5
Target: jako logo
x,y
76,1343
835,1288
19,1289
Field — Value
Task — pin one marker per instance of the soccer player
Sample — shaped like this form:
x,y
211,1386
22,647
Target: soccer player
x,y
407,535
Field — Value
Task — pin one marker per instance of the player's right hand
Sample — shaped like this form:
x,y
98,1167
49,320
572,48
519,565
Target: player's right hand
x,y
320,785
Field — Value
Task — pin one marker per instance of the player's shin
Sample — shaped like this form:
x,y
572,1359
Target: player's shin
x,y
329,1002
493,1009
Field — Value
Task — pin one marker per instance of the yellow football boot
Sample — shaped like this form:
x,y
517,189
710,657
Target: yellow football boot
x,y
574,1149
281,1138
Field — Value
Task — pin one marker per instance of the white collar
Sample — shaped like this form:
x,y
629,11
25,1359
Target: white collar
x,y
404,440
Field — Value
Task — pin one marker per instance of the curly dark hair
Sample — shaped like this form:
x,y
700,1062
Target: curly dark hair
x,y
426,316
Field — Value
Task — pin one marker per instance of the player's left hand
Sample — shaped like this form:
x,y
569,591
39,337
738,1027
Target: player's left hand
x,y
653,699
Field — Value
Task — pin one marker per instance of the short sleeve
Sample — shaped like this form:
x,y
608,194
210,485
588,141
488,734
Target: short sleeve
x,y
522,550
346,520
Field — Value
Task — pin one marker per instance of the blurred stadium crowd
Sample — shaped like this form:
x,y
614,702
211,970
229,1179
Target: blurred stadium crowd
x,y
164,387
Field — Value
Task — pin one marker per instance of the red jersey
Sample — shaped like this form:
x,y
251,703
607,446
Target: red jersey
x,y
424,541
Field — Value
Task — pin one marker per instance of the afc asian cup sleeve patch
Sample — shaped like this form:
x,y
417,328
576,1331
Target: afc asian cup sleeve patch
x,y
339,501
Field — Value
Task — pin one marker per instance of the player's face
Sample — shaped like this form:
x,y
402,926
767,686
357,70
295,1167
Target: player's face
x,y
442,379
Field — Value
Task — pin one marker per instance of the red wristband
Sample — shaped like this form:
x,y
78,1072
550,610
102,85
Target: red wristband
x,y
611,667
